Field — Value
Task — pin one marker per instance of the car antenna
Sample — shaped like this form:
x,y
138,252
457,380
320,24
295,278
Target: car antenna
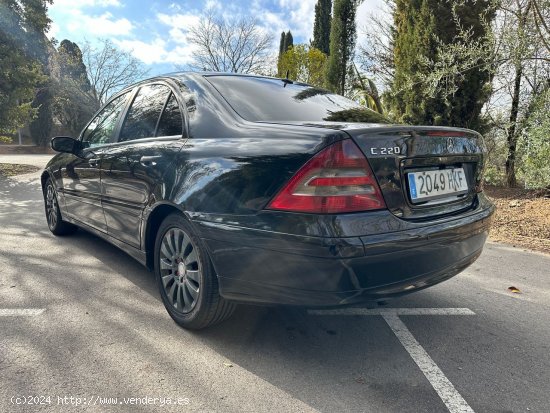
x,y
286,80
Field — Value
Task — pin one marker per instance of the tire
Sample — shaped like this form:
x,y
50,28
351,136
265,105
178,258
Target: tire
x,y
186,278
53,214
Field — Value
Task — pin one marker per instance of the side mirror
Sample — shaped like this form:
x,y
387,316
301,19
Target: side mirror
x,y
66,144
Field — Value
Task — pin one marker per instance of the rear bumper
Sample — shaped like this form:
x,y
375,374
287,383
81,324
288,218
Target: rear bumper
x,y
266,268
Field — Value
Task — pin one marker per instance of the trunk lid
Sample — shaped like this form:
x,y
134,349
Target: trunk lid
x,y
438,156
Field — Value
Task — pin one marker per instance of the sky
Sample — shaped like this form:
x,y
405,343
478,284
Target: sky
x,y
155,31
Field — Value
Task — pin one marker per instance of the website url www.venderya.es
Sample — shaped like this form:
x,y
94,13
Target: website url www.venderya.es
x,y
99,401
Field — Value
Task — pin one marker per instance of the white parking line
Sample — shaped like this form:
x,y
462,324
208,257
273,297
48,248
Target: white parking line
x,y
393,311
20,312
441,384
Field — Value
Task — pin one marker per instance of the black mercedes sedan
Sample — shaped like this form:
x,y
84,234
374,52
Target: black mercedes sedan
x,y
237,188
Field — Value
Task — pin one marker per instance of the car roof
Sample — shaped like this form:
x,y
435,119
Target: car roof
x,y
193,73
182,75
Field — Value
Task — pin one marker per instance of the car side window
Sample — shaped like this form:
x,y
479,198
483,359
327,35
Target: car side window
x,y
101,129
142,118
171,120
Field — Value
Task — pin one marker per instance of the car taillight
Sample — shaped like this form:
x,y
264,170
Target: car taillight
x,y
336,180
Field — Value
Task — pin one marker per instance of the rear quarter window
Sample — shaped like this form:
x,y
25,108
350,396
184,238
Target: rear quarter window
x,y
171,120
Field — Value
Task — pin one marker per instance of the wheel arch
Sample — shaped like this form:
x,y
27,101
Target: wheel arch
x,y
44,177
153,221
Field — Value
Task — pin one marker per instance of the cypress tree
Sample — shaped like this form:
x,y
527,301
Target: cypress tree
x,y
321,27
72,65
289,40
343,34
282,44
286,42
419,26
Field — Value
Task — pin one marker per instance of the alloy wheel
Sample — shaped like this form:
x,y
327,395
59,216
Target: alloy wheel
x,y
180,269
51,207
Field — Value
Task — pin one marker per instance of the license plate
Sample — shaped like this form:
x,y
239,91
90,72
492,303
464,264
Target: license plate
x,y
427,185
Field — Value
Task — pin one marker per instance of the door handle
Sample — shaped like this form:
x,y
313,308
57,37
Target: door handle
x,y
94,162
149,160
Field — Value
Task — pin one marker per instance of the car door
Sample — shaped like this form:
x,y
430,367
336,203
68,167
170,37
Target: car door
x,y
81,184
150,137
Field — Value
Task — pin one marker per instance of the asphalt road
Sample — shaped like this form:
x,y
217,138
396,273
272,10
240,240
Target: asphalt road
x,y
103,333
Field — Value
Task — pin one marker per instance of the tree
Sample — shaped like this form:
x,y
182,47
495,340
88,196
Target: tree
x,y
282,50
287,41
376,53
511,50
229,45
41,125
110,69
534,143
282,43
421,29
39,47
23,62
321,26
74,100
522,67
541,17
18,75
305,64
342,45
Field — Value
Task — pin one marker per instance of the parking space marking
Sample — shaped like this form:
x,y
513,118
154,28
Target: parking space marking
x,y
20,312
441,384
444,388
393,311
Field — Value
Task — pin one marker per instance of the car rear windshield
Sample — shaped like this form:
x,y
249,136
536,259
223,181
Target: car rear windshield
x,y
259,99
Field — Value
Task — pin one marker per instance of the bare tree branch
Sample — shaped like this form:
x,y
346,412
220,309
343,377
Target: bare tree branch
x,y
376,54
224,45
540,21
110,69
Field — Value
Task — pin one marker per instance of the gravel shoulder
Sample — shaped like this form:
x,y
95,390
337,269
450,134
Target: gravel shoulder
x,y
8,169
522,218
